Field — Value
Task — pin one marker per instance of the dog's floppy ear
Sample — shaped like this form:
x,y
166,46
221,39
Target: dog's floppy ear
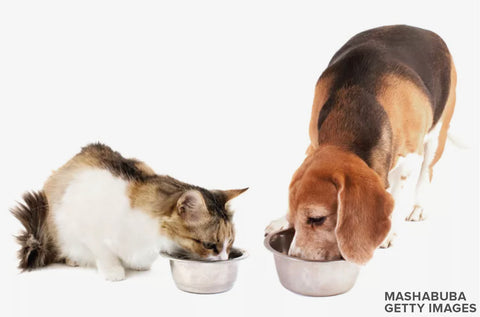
x,y
363,215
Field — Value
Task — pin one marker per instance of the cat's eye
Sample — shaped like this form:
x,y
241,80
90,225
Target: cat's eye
x,y
210,246
316,221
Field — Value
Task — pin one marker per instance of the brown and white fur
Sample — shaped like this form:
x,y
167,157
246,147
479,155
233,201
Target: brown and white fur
x,y
381,109
103,210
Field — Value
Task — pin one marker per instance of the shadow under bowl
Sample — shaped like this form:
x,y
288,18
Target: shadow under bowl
x,y
307,277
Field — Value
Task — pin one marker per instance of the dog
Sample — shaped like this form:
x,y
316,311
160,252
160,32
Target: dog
x,y
381,109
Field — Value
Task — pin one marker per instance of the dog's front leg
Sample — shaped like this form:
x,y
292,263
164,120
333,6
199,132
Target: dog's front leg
x,y
425,176
277,225
398,179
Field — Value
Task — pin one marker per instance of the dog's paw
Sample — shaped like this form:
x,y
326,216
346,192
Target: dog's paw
x,y
388,242
277,225
417,214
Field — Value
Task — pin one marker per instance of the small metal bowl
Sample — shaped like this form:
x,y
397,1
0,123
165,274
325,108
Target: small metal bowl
x,y
306,277
205,277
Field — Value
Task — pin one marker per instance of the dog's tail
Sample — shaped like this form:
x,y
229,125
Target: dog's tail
x,y
37,247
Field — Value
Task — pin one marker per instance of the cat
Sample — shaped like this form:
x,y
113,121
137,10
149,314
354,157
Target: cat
x,y
101,209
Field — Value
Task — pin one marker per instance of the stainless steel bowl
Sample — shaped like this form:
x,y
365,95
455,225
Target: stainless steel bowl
x,y
205,277
312,278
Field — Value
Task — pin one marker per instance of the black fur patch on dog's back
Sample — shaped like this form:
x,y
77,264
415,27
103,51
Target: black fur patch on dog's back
x,y
359,67
417,54
355,121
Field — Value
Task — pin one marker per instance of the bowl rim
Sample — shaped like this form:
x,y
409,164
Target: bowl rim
x,y
239,258
266,243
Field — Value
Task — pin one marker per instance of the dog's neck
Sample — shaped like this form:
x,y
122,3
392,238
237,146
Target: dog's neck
x,y
353,120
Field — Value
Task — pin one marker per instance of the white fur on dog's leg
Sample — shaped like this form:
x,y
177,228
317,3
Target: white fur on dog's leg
x,y
424,177
417,214
277,225
388,242
406,167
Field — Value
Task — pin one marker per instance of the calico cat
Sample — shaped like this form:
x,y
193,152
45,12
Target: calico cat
x,y
101,209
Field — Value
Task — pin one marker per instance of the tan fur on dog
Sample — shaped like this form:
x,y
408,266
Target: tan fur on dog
x,y
385,94
340,186
446,117
409,112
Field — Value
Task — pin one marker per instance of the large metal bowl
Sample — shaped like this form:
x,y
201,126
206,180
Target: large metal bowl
x,y
311,278
205,277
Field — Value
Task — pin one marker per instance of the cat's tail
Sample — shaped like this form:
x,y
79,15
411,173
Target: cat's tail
x,y
37,247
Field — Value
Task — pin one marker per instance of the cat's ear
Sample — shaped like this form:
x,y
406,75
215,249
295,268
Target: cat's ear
x,y
190,205
232,193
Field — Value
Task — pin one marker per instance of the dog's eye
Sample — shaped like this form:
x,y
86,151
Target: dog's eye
x,y
316,221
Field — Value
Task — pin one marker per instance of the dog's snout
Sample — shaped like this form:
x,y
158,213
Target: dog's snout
x,y
309,250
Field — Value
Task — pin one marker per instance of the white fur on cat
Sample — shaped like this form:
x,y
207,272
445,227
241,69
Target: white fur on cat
x,y
97,226
222,256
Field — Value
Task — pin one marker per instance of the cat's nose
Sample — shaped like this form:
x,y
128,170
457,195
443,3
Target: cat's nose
x,y
218,257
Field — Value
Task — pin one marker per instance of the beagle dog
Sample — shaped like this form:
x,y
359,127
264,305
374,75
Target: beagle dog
x,y
382,106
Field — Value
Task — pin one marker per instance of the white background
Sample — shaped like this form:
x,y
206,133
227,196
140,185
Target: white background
x,y
219,95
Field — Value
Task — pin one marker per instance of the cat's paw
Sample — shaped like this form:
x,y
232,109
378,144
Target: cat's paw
x,y
71,263
277,225
141,261
114,273
139,267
